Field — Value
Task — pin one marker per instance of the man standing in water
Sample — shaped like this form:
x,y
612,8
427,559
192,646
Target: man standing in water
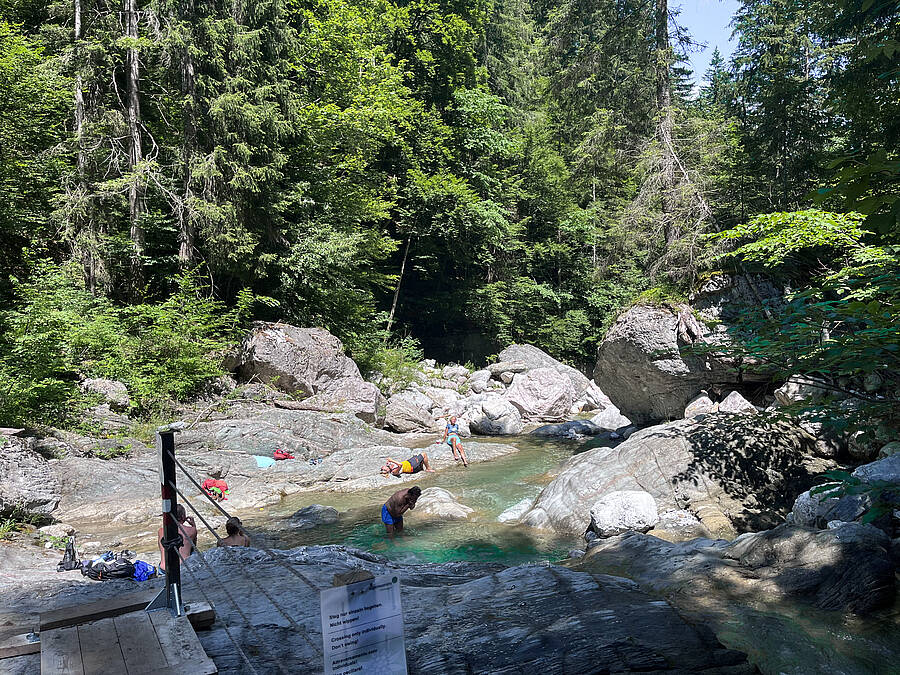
x,y
394,508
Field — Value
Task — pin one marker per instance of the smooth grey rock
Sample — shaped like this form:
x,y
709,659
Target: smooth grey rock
x,y
454,371
593,398
541,394
441,503
733,471
350,395
441,398
892,448
497,369
701,404
482,375
887,469
534,358
57,530
862,446
640,367
847,568
620,511
312,516
302,361
516,511
735,403
494,417
572,429
724,297
403,415
815,510
679,525
800,388
113,392
507,377
610,419
27,483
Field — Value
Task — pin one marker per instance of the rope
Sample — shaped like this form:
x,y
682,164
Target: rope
x,y
248,574
210,603
230,597
225,513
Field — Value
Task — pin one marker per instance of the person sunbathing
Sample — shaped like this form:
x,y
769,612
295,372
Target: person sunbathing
x,y
414,464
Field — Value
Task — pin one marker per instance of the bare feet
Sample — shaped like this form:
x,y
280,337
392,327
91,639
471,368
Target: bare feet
x,y
429,470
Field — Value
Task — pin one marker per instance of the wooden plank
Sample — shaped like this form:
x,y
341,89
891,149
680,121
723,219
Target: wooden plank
x,y
18,645
100,649
200,614
139,643
60,652
91,611
177,639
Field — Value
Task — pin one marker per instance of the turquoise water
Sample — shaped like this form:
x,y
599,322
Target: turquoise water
x,y
488,487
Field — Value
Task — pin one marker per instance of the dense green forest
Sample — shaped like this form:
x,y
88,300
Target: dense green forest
x,y
455,174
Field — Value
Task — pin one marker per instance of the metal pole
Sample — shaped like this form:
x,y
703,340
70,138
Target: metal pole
x,y
170,596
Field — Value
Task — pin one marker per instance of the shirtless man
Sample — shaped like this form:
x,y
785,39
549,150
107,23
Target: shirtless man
x,y
394,508
236,537
189,527
414,464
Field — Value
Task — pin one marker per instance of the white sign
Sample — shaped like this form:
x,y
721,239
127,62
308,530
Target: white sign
x,y
362,628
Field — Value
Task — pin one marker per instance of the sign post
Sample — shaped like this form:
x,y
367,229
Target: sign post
x,y
362,628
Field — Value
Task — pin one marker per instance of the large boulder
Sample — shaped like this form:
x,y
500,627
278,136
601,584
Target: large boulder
x,y
610,419
640,367
441,503
847,568
28,486
701,404
621,511
405,413
724,297
734,472
516,511
112,391
494,417
542,394
800,388
735,403
300,361
532,358
817,510
350,395
571,429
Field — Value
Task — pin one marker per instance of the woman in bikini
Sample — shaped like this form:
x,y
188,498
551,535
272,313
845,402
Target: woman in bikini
x,y
451,438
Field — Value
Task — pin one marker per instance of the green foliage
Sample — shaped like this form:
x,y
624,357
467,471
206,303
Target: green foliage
x,y
57,331
398,362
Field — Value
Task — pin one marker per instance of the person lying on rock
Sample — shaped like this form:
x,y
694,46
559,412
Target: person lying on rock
x,y
414,464
189,528
393,509
236,535
451,438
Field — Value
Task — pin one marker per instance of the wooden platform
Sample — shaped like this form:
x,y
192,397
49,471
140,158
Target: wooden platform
x,y
137,643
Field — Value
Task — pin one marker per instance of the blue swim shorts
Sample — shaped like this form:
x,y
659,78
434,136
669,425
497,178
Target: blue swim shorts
x,y
387,518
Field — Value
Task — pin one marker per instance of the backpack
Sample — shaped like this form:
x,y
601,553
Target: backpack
x,y
69,561
119,568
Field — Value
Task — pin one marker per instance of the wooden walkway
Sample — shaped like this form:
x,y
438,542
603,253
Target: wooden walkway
x,y
137,643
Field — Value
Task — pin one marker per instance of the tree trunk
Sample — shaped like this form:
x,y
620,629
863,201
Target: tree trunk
x,y
136,189
84,234
666,122
397,289
189,131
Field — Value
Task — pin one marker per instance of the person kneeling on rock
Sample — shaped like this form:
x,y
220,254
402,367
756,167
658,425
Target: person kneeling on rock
x,y
412,465
393,509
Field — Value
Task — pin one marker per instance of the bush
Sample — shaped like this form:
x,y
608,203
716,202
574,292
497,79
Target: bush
x,y
56,331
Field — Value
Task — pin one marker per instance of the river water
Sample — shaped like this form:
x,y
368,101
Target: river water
x,y
488,487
